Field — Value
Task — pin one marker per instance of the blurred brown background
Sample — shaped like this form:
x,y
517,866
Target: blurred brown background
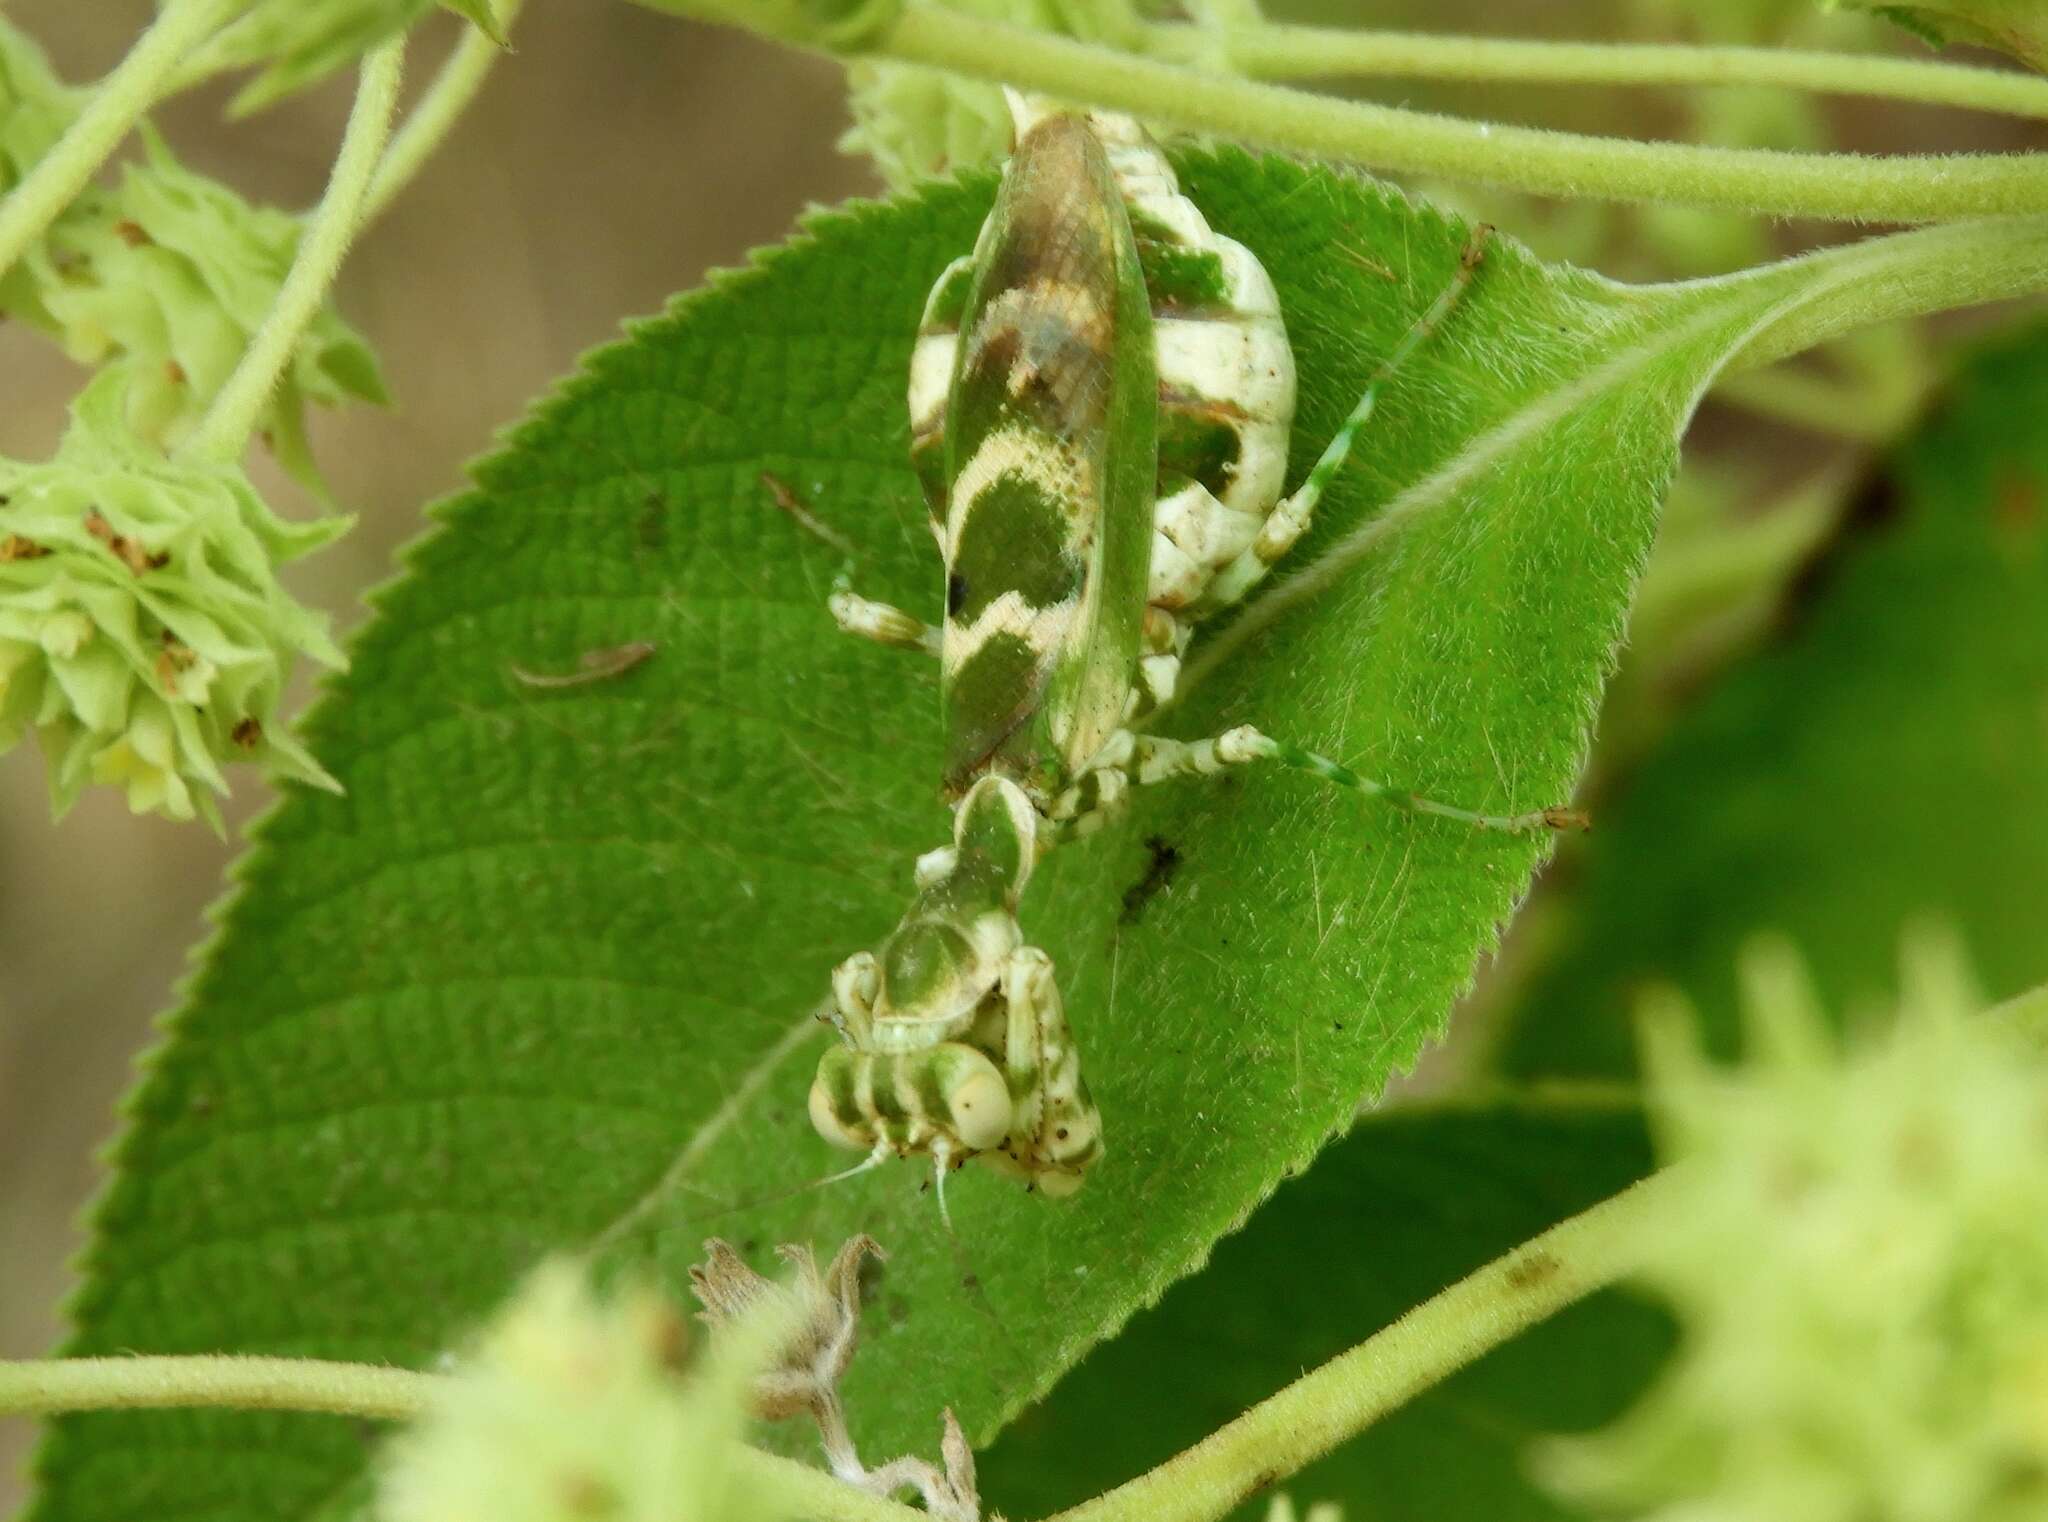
x,y
612,160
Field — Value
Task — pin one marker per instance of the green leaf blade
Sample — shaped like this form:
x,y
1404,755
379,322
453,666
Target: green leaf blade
x,y
1881,761
543,979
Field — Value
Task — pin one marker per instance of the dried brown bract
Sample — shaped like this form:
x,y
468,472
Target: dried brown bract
x,y
804,1375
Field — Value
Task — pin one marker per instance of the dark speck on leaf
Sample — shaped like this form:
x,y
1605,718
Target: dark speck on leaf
x,y
652,529
1166,860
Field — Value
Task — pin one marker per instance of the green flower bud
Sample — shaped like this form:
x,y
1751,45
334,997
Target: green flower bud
x,y
144,636
1861,1274
35,105
484,15
916,122
175,273
573,1406
170,272
297,45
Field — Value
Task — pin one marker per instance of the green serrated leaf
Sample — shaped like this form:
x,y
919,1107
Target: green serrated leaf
x,y
1883,761
1407,1204
544,978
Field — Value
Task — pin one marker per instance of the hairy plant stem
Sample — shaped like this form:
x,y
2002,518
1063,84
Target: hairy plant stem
x,y
1836,186
352,1389
1348,1394
217,1379
1906,274
1266,1444
1274,50
797,1490
224,432
117,104
445,100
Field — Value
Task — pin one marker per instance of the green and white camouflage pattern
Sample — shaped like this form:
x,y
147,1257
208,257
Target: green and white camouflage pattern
x,y
1224,377
955,1041
1100,402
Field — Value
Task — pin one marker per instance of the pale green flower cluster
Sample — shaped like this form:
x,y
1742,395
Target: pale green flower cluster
x,y
35,106
1861,1276
144,637
574,1406
165,275
916,122
296,44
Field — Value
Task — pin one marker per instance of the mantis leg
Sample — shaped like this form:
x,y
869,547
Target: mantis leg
x,y
880,622
1290,519
1055,1132
1142,760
